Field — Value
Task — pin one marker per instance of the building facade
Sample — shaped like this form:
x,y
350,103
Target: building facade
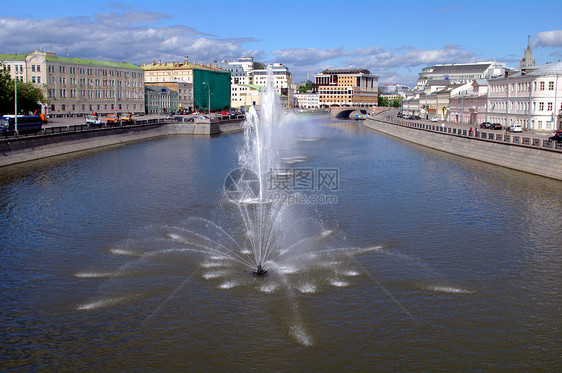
x,y
199,87
249,77
461,73
75,86
531,99
160,99
469,104
351,87
307,100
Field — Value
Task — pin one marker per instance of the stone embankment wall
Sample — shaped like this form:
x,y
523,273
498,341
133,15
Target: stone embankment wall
x,y
17,150
541,161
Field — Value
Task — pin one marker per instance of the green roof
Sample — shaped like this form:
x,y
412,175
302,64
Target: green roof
x,y
12,57
79,61
82,61
183,66
253,86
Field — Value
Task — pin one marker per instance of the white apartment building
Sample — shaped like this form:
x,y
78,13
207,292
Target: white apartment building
x,y
460,73
248,77
307,100
532,99
76,86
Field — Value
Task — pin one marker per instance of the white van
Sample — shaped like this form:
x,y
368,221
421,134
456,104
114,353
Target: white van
x,y
515,128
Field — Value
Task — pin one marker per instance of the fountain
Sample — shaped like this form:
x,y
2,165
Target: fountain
x,y
256,230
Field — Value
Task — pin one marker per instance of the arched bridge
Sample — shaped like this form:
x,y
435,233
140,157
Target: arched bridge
x,y
343,112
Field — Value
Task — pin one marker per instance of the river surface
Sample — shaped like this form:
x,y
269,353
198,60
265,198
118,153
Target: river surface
x,y
456,264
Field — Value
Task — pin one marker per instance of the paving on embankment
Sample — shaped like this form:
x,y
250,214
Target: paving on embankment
x,y
512,151
24,149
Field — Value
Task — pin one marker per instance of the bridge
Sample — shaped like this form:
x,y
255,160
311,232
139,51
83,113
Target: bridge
x,y
343,112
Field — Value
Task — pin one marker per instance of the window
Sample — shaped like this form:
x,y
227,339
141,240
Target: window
x,y
541,86
549,106
551,86
541,106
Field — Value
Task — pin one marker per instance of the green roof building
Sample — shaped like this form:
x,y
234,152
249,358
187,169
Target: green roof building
x,y
76,86
208,82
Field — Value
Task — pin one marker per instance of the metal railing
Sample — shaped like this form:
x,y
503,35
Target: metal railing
x,y
478,134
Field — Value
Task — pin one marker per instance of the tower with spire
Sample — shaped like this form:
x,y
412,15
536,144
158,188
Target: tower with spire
x,y
527,60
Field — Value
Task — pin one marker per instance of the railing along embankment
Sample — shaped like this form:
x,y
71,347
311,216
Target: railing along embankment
x,y
521,152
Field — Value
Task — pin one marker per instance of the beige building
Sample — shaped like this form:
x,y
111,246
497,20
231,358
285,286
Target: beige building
x,y
353,87
75,86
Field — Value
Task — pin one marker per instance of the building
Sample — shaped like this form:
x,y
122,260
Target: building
x,y
461,73
306,100
207,86
249,77
531,98
184,93
527,60
76,86
469,104
349,87
160,99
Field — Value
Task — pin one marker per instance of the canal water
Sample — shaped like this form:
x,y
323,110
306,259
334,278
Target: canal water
x,y
424,261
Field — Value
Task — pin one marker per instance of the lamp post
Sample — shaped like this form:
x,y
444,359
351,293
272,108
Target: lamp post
x,y
209,89
16,105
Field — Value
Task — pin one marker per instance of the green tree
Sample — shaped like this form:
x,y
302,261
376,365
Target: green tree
x,y
383,101
29,96
395,102
6,93
306,87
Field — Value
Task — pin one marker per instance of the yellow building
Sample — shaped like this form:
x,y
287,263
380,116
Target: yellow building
x,y
346,87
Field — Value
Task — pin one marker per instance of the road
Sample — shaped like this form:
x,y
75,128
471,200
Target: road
x,y
394,115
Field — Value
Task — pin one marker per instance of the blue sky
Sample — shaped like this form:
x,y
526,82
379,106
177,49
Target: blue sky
x,y
392,39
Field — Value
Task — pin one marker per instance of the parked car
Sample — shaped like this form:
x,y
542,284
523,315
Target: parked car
x,y
495,126
433,119
485,125
112,118
515,128
557,137
94,121
127,118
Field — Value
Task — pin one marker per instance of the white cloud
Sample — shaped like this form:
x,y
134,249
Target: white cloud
x,y
548,39
390,65
129,35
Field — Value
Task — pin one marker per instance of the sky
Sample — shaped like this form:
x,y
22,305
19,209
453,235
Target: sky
x,y
392,39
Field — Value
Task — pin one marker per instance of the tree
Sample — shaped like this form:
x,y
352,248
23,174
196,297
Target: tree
x,y
6,93
29,96
383,101
306,87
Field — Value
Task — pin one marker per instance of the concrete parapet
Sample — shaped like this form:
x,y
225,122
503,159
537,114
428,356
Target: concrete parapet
x,y
17,150
542,160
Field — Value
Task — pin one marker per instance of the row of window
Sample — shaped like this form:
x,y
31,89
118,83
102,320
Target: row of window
x,y
90,71
522,87
91,107
522,106
73,93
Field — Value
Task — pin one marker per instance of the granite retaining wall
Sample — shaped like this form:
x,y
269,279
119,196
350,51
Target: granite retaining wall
x,y
538,161
17,150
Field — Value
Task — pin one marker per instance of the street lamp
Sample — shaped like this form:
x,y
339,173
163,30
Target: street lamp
x,y
209,89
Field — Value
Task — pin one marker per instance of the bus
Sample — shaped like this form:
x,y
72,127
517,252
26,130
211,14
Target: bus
x,y
26,124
